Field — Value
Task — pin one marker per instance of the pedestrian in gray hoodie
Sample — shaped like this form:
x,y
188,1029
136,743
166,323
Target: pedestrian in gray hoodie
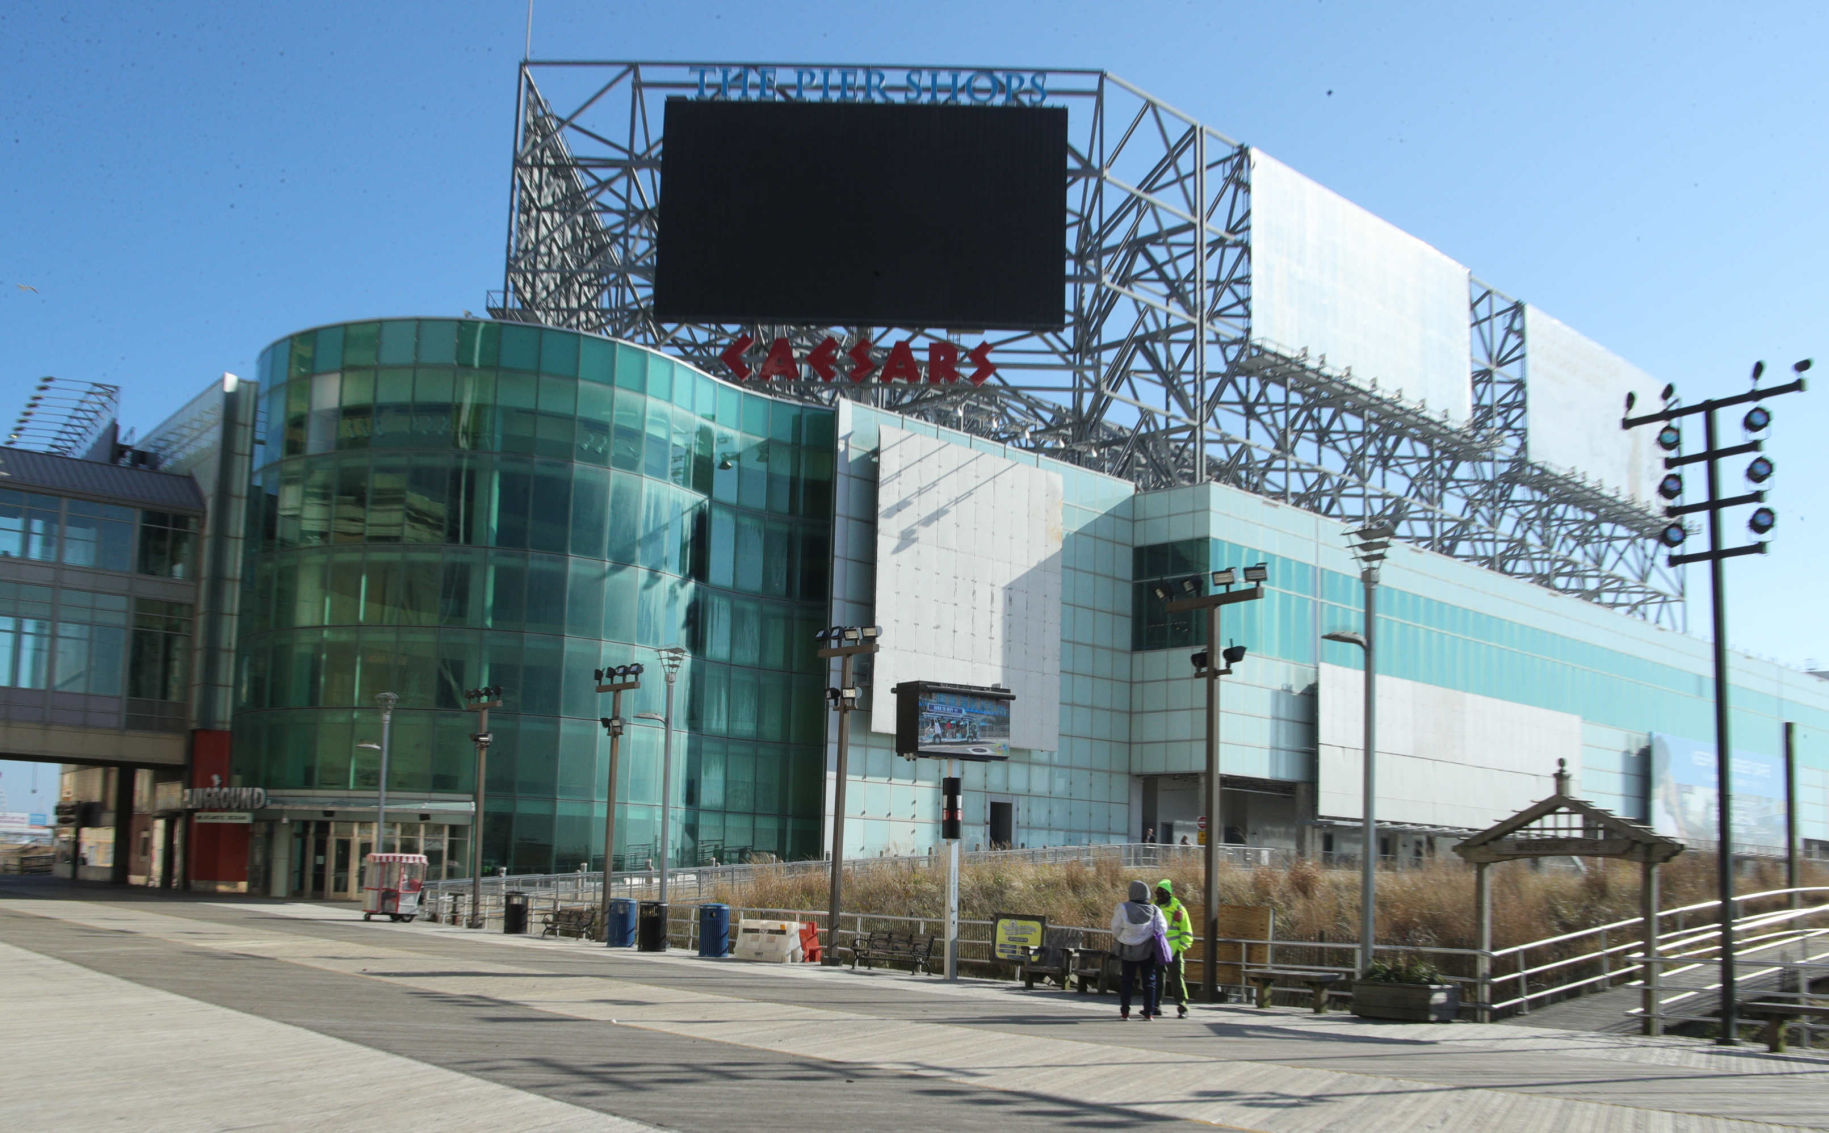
x,y
1134,925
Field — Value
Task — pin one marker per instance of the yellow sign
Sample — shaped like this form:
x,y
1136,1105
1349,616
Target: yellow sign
x,y
1013,936
1203,837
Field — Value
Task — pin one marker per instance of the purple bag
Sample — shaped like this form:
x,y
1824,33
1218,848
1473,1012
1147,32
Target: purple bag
x,y
1163,954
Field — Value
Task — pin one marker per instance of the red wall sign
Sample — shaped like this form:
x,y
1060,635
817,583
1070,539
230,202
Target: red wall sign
x,y
823,360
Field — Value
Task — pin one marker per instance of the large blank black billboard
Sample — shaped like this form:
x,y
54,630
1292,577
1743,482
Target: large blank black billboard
x,y
862,214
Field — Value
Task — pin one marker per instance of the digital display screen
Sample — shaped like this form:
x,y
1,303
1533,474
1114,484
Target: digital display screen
x,y
952,721
860,214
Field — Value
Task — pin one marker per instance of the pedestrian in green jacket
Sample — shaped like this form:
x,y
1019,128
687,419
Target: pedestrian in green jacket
x,y
1181,935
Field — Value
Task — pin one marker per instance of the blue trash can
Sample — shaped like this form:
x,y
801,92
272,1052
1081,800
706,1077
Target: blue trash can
x,y
714,930
622,923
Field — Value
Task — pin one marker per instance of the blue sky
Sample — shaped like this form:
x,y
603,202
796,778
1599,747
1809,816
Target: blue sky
x,y
184,182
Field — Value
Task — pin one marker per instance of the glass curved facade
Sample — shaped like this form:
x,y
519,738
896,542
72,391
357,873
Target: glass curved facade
x,y
442,504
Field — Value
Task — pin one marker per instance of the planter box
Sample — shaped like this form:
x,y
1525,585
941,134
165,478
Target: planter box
x,y
1406,1003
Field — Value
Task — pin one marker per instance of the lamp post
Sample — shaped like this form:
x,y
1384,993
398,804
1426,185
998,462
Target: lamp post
x,y
616,681
671,658
479,701
844,643
1670,438
386,700
1205,669
1369,545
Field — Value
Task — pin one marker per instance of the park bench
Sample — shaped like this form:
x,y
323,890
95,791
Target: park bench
x,y
1054,960
1778,1015
570,920
893,947
1096,969
1318,981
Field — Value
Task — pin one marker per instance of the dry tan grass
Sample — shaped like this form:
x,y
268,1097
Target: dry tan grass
x,y
1427,907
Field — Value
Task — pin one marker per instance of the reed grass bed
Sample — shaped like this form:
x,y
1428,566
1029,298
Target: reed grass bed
x,y
1428,906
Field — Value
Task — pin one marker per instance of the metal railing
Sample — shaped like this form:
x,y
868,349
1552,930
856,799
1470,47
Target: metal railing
x,y
1594,959
1513,980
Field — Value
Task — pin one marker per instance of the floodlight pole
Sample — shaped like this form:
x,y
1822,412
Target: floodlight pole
x,y
845,643
619,681
1216,827
671,658
1716,554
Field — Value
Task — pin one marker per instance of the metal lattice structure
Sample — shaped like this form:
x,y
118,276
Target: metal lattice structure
x,y
63,417
1155,378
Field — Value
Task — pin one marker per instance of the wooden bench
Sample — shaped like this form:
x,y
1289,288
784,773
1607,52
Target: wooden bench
x,y
893,947
1777,1015
1054,960
571,920
1097,968
1319,982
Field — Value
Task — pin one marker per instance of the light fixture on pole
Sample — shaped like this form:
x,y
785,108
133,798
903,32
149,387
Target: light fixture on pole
x,y
386,700
671,658
615,681
1368,824
845,643
1191,598
1670,438
1369,545
479,701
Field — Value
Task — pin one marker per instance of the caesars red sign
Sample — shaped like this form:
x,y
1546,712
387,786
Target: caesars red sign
x,y
781,363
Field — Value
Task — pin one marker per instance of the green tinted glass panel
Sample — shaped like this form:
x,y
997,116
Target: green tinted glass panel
x,y
520,348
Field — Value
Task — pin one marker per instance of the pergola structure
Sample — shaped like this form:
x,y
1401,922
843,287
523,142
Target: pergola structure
x,y
1565,827
1156,376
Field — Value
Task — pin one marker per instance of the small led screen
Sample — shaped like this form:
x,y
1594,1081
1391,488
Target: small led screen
x,y
952,721
860,214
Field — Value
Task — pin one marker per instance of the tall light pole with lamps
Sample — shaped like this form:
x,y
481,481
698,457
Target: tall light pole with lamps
x,y
1207,669
845,643
1369,545
1760,522
616,681
480,701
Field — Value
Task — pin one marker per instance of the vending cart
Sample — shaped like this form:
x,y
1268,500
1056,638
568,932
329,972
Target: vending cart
x,y
391,885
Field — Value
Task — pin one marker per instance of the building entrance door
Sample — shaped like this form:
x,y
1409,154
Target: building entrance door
x,y
314,863
346,865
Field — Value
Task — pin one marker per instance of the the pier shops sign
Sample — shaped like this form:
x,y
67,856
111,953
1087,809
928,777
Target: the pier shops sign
x,y
936,85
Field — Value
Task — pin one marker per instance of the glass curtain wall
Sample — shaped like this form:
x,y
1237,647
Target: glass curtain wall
x,y
444,504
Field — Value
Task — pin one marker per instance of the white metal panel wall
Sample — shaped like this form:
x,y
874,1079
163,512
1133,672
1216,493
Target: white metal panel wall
x,y
1576,393
1445,758
1328,276
968,578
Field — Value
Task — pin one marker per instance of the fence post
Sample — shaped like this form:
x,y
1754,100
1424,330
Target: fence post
x,y
1524,986
1606,962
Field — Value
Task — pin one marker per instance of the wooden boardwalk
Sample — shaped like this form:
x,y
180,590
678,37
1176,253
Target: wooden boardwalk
x,y
474,1026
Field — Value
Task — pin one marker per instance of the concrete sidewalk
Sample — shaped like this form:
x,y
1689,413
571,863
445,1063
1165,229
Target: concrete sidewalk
x,y
771,1045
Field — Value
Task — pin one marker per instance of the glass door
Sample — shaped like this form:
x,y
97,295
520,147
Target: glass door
x,y
346,871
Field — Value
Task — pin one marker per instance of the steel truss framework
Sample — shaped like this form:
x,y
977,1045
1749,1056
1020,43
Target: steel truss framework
x,y
1155,378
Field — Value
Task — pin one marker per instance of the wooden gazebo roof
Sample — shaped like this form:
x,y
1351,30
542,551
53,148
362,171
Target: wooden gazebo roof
x,y
1561,826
